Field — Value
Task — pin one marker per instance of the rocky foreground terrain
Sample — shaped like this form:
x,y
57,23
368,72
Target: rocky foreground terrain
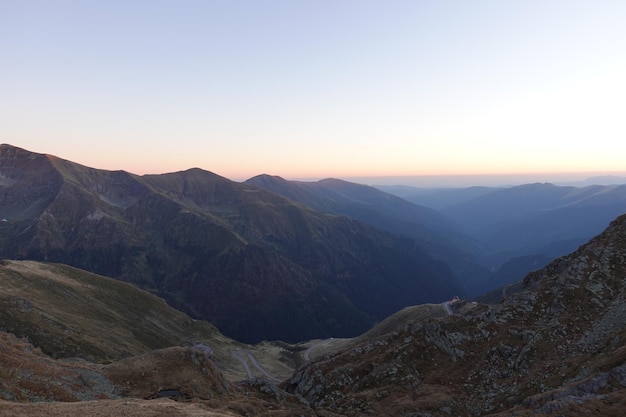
x,y
557,347
178,381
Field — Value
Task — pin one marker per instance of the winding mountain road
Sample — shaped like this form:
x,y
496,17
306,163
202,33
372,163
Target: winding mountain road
x,y
206,350
307,353
244,356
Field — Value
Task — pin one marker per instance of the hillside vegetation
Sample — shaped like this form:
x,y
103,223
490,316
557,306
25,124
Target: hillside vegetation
x,y
69,312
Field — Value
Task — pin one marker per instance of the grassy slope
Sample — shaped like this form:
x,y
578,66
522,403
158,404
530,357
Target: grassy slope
x,y
68,312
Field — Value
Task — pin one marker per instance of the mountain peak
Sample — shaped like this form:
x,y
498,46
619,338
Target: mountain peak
x,y
265,178
10,151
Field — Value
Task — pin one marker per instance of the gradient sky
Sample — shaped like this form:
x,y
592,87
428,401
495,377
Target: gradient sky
x,y
312,89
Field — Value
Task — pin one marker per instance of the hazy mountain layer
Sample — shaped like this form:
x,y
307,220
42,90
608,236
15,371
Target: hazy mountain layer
x,y
531,220
438,235
520,220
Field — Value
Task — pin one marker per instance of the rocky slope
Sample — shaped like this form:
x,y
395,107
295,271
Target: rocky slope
x,y
557,347
255,264
177,381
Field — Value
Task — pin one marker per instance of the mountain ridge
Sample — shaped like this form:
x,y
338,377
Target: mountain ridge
x,y
438,235
255,264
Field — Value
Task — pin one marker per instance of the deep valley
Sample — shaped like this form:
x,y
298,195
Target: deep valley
x,y
188,294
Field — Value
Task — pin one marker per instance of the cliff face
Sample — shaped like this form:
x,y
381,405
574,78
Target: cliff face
x,y
558,346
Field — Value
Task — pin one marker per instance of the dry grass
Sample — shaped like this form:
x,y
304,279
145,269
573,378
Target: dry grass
x,y
111,408
72,313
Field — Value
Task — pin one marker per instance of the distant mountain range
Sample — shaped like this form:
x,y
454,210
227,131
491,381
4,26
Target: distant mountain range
x,y
540,220
257,265
292,260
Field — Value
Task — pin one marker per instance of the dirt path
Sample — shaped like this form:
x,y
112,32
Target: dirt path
x,y
243,356
307,353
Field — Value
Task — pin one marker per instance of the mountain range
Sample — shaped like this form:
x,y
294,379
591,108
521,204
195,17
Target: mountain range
x,y
555,347
254,263
441,237
97,266
521,228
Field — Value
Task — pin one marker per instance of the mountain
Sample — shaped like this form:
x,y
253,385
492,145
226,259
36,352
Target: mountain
x,y
437,198
354,200
176,381
512,269
255,264
530,219
599,180
70,313
67,312
525,220
540,220
430,229
556,347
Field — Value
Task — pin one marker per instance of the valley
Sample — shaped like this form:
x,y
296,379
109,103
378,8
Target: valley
x,y
188,294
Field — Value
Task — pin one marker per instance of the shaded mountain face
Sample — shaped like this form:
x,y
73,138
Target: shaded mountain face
x,y
343,197
557,347
438,235
255,264
437,198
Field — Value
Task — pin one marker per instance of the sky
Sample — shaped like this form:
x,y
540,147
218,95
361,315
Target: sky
x,y
315,89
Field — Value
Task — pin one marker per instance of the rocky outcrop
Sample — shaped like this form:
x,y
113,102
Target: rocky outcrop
x,y
179,372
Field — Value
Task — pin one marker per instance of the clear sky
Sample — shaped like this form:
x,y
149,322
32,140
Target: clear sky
x,y
312,89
